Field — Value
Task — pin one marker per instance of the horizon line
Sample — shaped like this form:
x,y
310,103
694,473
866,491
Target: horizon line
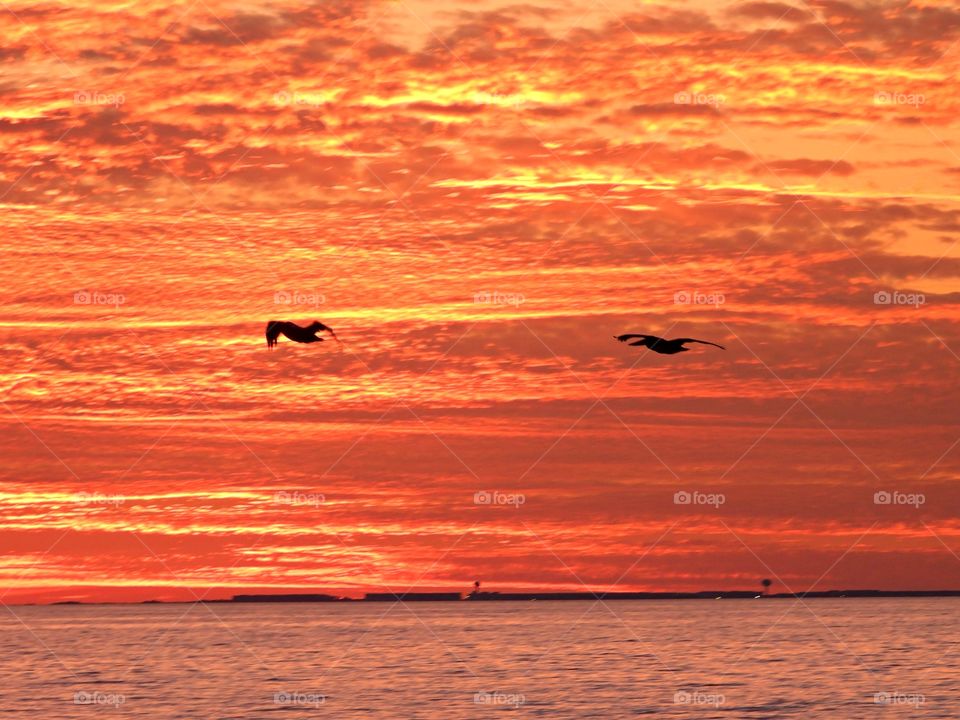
x,y
512,596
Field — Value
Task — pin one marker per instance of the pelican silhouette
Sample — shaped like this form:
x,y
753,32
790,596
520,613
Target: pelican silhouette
x,y
664,347
308,334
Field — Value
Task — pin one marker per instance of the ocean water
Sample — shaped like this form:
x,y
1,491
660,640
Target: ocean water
x,y
671,659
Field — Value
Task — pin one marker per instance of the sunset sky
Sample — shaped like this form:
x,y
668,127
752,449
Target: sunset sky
x,y
477,197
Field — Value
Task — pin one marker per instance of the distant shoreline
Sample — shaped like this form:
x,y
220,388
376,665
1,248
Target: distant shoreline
x,y
532,596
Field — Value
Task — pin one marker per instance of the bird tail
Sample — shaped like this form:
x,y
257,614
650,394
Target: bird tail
x,y
273,332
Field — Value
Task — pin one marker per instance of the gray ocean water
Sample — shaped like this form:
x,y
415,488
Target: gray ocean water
x,y
671,659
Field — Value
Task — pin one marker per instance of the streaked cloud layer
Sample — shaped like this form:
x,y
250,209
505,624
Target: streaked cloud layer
x,y
477,197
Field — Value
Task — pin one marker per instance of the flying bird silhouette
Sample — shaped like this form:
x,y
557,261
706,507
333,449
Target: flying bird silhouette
x,y
308,334
664,347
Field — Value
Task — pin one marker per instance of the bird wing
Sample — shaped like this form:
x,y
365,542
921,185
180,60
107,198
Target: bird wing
x,y
631,336
702,342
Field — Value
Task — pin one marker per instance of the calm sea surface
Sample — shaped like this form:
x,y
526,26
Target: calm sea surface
x,y
672,659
